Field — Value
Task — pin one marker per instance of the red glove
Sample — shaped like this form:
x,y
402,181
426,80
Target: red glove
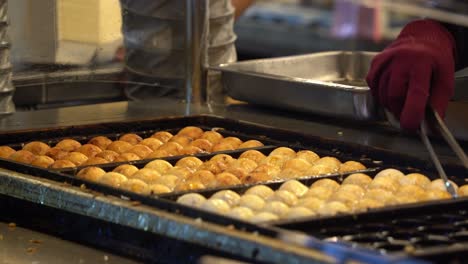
x,y
416,69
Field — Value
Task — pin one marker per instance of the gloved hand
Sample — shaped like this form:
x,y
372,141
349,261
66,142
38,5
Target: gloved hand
x,y
417,69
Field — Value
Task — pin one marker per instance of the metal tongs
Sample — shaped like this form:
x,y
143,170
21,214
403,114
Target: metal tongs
x,y
441,128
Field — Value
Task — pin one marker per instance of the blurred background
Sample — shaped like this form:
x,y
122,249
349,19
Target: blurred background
x,y
70,52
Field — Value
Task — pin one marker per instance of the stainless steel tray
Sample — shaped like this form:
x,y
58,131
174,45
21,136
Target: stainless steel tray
x,y
327,83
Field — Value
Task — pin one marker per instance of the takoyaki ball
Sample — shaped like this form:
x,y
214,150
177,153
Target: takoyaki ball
x,y
254,155
321,169
191,150
113,179
276,207
351,166
76,157
295,187
352,188
191,163
224,159
319,192
22,156
299,212
100,141
274,160
391,173
95,161
162,136
126,169
436,194
203,144
330,162
290,174
160,166
271,170
286,153
119,146
181,172
247,164
463,190
263,217
359,179
152,143
404,200
141,150
241,213
214,167
440,185
136,186
191,132
42,161
204,176
191,199
233,141
158,189
173,148
239,172
256,177
262,191
68,145
223,146
298,164
333,208
149,176
91,174
56,153
227,179
182,140
6,152
60,164
127,157
308,156
250,144
230,197
366,204
326,183
384,183
169,180
348,198
413,191
381,195
37,148
216,206
159,153
108,155
89,150
212,136
311,203
189,186
131,138
284,196
415,179
251,201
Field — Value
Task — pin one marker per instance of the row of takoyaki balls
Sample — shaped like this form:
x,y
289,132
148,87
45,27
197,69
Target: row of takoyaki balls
x,y
326,197
100,150
222,170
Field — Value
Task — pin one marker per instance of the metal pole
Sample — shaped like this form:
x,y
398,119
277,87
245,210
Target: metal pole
x,y
195,46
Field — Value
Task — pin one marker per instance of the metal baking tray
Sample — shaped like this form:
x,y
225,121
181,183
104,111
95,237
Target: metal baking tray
x,y
436,231
113,131
327,83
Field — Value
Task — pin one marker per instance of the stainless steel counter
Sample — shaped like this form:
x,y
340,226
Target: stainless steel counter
x,y
19,246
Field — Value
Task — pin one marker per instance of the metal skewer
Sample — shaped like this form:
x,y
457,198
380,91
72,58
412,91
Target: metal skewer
x,y
436,161
450,139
